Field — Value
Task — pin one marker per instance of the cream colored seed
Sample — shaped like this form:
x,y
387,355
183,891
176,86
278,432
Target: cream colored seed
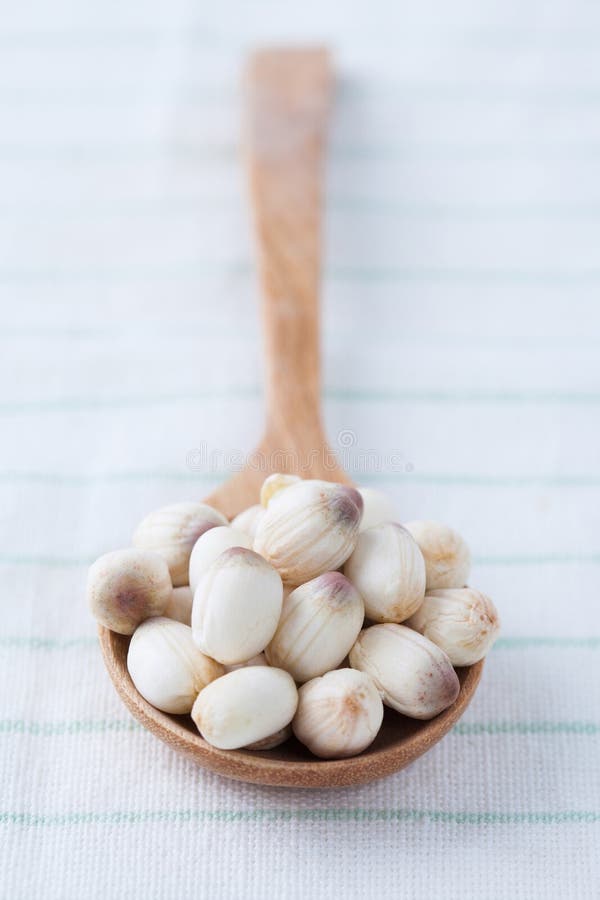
x,y
414,676
210,545
462,621
166,666
447,556
378,508
320,621
273,484
388,570
309,528
245,706
173,530
259,660
274,740
236,607
338,714
179,606
127,586
247,521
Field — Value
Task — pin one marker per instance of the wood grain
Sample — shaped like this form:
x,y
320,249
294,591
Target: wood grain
x,y
288,95
288,98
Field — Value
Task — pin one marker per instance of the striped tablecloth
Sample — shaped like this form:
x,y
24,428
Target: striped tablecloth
x,y
461,337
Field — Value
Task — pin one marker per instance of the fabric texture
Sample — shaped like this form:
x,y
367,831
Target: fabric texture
x,y
461,331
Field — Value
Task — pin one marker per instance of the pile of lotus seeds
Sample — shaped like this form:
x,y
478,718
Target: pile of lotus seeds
x,y
304,615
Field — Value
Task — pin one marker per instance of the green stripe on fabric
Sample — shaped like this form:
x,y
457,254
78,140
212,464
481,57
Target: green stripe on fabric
x,y
107,726
454,152
52,562
184,271
192,270
328,814
116,153
412,34
154,152
21,642
338,395
194,208
539,559
490,397
66,479
498,728
560,643
375,274
464,480
82,38
78,479
162,333
94,404
436,212
225,157
76,726
348,94
16,559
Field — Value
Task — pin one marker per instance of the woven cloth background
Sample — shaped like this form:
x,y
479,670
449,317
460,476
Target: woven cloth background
x,y
461,331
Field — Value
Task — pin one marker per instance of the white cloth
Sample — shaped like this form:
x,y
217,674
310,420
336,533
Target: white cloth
x,y
460,338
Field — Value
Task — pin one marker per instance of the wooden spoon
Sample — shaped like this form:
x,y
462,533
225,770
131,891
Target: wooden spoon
x,y
289,93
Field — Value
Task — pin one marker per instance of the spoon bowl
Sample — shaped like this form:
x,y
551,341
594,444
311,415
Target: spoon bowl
x,y
400,740
287,109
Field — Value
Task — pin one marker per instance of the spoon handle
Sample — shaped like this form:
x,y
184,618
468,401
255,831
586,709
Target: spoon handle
x,y
287,108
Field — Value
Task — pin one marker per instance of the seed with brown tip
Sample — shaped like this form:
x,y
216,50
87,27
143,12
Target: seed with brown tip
x,y
446,554
413,675
338,714
462,621
127,586
320,621
309,528
173,530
